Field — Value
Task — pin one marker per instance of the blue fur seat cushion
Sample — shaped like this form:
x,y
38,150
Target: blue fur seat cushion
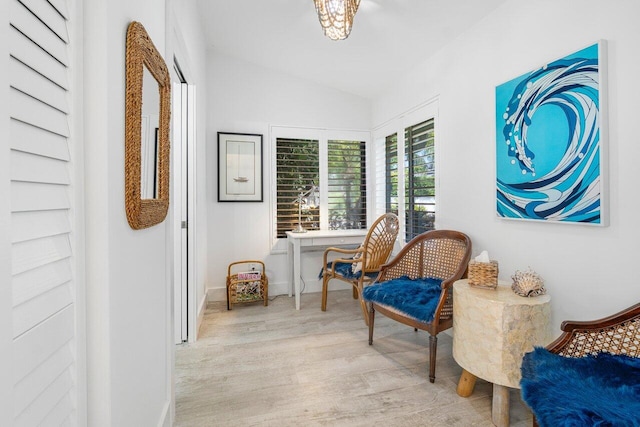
x,y
417,298
345,269
601,390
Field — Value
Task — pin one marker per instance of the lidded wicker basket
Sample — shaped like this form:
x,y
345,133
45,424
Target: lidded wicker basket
x,y
483,274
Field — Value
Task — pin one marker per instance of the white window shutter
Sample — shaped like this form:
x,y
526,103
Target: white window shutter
x,y
44,352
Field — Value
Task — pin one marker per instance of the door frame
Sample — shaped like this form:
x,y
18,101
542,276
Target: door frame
x,y
184,209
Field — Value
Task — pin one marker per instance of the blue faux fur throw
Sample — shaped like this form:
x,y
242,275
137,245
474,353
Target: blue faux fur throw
x,y
417,298
601,390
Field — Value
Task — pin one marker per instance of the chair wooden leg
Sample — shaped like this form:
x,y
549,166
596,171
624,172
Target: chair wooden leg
x,y
433,346
355,293
325,285
365,312
372,315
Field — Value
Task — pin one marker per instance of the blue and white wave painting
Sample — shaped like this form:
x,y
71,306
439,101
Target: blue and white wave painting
x,y
548,142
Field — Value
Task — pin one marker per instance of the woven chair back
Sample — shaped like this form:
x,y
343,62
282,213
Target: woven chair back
x,y
380,240
438,253
616,334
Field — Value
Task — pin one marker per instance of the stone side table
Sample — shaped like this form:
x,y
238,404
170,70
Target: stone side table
x,y
492,330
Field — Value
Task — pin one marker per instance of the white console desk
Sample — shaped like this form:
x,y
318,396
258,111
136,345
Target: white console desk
x,y
315,239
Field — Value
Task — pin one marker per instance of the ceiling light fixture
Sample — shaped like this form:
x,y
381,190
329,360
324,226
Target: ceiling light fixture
x,y
336,17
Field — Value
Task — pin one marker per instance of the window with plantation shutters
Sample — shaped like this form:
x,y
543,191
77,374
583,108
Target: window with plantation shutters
x,y
333,163
42,283
391,173
297,168
419,179
346,189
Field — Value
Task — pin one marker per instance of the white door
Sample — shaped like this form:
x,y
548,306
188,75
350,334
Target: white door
x,y
44,281
183,146
180,143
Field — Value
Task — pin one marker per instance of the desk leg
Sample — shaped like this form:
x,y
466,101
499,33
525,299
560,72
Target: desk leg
x,y
500,406
296,271
290,265
466,384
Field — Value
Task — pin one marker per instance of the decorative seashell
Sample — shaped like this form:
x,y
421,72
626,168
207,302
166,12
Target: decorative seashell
x,y
528,283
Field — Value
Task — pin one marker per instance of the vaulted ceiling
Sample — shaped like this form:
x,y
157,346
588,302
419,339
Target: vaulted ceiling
x,y
388,37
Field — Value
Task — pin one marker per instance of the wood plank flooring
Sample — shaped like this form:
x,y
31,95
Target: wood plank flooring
x,y
275,366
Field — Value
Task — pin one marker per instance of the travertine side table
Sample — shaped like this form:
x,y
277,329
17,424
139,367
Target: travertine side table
x,y
492,330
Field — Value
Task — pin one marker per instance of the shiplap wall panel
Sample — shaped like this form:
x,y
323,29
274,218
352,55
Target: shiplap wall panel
x,y
28,81
30,110
35,253
27,196
28,167
32,27
31,139
25,51
47,13
30,313
33,225
28,389
43,292
39,280
37,411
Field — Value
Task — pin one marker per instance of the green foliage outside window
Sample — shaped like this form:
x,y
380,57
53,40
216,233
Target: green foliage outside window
x,y
297,168
347,185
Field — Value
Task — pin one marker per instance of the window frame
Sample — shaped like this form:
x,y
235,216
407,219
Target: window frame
x,y
323,135
353,146
422,112
412,229
285,212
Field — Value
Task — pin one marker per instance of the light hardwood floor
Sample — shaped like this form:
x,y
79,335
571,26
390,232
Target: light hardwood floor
x,y
275,366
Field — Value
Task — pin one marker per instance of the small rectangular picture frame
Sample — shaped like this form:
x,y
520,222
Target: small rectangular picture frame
x,y
240,167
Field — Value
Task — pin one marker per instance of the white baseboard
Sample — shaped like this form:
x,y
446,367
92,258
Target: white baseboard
x,y
282,288
165,416
216,294
200,316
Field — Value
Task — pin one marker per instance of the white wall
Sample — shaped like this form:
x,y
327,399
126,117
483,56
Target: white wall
x,y
589,271
129,340
246,98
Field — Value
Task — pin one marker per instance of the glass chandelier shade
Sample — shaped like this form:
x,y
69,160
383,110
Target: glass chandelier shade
x,y
336,17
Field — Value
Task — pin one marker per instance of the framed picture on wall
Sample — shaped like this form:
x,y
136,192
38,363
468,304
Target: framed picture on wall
x,y
239,167
550,148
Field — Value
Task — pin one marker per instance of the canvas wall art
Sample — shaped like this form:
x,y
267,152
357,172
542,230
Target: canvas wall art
x,y
549,141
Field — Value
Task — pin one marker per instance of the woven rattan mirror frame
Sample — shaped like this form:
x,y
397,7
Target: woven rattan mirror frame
x,y
141,52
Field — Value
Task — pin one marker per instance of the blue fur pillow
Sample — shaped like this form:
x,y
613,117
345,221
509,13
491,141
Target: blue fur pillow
x,y
345,269
417,298
601,390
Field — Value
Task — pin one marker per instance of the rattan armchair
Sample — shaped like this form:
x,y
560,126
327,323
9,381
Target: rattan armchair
x,y
374,251
618,334
415,287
